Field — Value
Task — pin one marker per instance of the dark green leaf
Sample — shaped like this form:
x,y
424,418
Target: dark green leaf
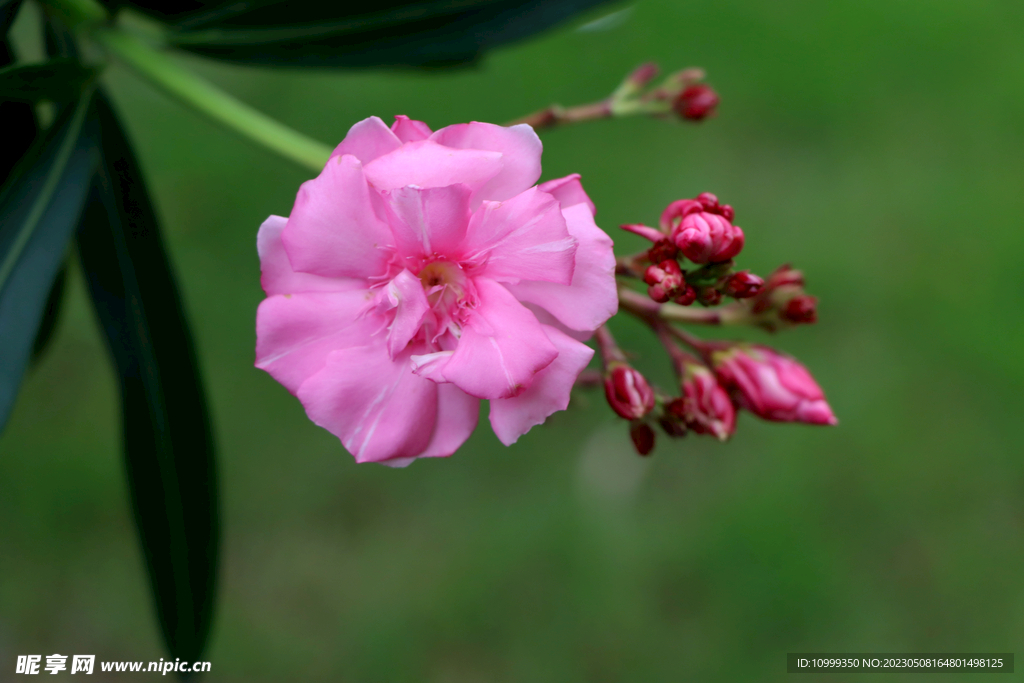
x,y
51,313
18,121
8,11
168,445
312,33
39,208
57,80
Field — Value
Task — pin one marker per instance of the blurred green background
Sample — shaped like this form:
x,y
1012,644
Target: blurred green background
x,y
877,145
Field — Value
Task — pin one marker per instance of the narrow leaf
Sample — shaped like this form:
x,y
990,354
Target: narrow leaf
x,y
56,80
168,446
39,208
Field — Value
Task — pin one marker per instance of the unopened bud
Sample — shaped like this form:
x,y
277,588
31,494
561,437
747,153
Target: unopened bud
x,y
687,297
772,385
802,308
709,296
673,425
742,285
696,102
705,405
642,436
784,275
627,391
703,233
665,280
663,250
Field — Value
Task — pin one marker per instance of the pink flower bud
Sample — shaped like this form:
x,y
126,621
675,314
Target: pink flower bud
x,y
743,285
707,237
642,75
705,406
643,437
696,102
784,275
665,280
628,393
772,385
801,309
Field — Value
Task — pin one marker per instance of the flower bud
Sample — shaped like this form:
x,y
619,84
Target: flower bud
x,y
696,102
772,385
663,250
705,406
687,297
784,275
709,296
802,308
628,393
674,425
742,285
706,237
665,280
642,436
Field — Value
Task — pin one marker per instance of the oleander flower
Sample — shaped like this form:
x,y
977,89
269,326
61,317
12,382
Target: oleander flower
x,y
421,272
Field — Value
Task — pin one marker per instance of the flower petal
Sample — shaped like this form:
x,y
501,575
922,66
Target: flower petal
x,y
277,274
333,230
428,164
405,294
520,155
367,140
592,297
295,333
457,415
376,406
429,221
409,130
501,348
549,393
568,191
524,238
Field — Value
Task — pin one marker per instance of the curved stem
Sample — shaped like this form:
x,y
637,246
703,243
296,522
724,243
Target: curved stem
x,y
214,103
642,306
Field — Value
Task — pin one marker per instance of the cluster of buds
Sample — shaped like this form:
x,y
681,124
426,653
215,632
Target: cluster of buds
x,y
681,93
715,379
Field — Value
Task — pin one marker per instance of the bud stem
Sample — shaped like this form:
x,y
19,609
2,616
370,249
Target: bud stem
x,y
606,346
209,100
643,307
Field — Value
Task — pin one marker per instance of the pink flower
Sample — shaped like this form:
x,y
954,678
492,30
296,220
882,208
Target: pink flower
x,y
423,271
772,385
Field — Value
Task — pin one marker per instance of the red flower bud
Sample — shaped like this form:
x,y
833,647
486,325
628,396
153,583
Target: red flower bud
x,y
784,275
696,102
801,309
687,297
772,385
743,285
709,296
664,250
642,436
628,393
707,237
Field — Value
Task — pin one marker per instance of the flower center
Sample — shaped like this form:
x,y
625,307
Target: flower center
x,y
439,273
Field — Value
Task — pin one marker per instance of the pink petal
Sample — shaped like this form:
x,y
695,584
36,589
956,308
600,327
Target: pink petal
x,y
592,298
457,415
430,221
405,294
501,348
549,393
367,140
520,155
277,274
333,230
409,130
431,365
524,238
375,405
295,333
568,191
427,164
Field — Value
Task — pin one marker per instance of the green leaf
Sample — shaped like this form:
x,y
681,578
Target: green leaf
x,y
317,34
168,444
39,208
57,80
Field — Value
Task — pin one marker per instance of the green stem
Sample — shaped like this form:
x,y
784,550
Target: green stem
x,y
205,98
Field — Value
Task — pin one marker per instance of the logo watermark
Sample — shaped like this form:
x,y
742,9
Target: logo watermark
x,y
86,664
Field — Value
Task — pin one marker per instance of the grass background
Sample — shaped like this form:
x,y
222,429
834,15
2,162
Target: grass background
x,y
879,146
